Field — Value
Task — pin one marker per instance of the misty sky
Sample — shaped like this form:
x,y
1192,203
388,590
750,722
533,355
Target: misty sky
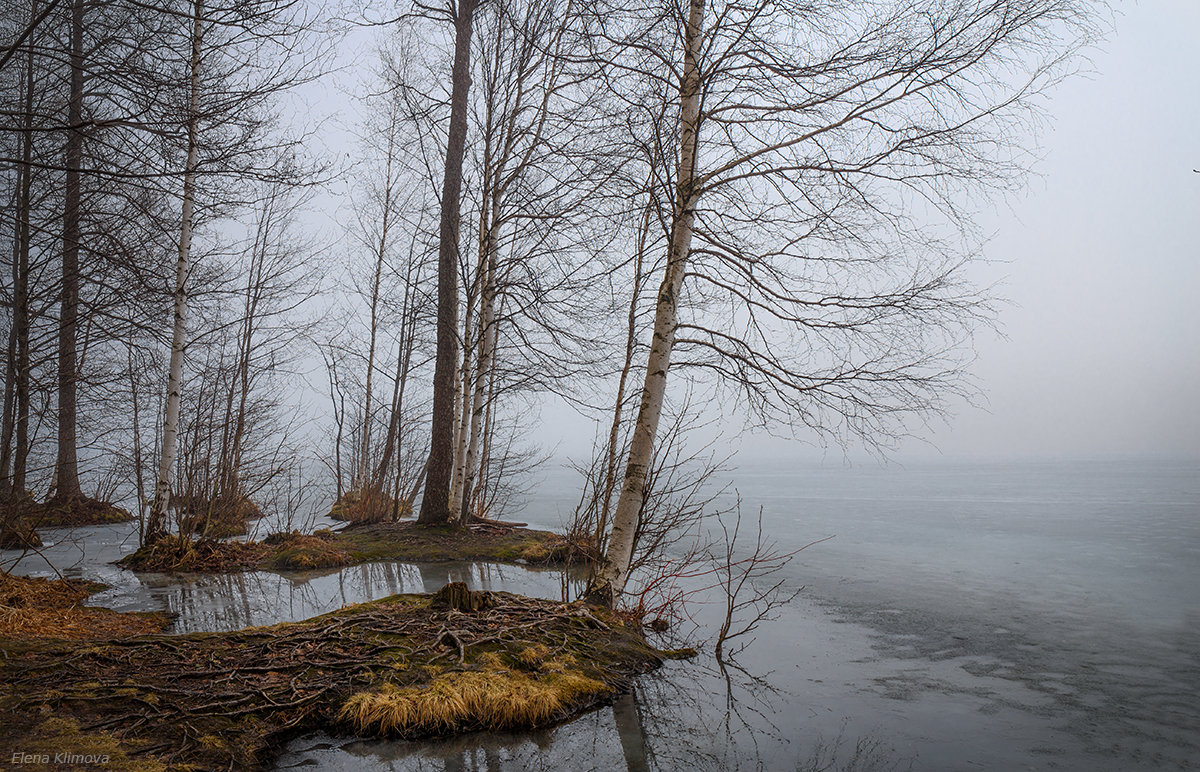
x,y
1103,262
1099,261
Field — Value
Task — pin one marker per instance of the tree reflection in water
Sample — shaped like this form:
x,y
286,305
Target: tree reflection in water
x,y
204,603
628,718
689,716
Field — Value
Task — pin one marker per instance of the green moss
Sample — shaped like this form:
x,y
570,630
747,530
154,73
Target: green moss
x,y
684,653
356,544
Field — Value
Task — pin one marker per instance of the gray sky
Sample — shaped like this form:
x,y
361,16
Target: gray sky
x,y
1103,262
1100,263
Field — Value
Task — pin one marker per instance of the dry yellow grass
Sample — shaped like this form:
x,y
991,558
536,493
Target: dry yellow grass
x,y
58,744
531,657
454,701
51,608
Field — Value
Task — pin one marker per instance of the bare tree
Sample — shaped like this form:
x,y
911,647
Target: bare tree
x,y
391,213
156,525
14,451
435,504
66,485
824,154
225,136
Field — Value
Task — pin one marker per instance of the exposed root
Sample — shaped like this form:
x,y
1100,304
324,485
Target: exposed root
x,y
399,667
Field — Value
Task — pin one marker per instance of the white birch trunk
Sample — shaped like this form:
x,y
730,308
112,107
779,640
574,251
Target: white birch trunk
x,y
156,526
461,394
364,450
487,348
613,572
458,490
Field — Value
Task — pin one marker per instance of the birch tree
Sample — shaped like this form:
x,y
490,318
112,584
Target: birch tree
x,y
826,154
549,180
390,228
227,136
156,524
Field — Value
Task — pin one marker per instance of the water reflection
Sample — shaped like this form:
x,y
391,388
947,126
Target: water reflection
x,y
627,716
214,602
691,716
234,601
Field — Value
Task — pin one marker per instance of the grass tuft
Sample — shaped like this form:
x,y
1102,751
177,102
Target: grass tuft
x,y
531,657
308,552
463,700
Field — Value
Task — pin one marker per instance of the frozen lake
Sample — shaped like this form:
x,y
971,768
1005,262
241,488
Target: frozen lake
x,y
964,616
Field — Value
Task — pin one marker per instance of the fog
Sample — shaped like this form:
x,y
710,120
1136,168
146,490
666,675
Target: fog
x,y
1100,262
1097,351
1096,262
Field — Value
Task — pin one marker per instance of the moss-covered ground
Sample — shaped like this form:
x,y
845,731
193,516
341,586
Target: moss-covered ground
x,y
405,666
21,513
405,541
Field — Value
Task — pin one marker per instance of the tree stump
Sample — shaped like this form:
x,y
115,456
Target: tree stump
x,y
458,597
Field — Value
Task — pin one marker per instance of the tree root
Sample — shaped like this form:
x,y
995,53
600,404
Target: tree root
x,y
225,699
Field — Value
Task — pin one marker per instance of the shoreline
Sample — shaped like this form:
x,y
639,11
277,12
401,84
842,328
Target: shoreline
x,y
354,545
406,666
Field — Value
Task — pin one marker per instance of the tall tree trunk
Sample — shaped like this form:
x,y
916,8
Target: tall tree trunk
x,y
614,568
19,332
8,419
487,345
463,396
21,285
435,504
407,340
339,412
138,477
489,424
66,470
378,479
156,527
231,476
614,432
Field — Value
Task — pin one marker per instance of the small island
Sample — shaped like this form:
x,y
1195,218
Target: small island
x,y
406,666
354,544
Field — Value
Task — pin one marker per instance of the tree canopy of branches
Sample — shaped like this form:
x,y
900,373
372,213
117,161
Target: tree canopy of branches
x,y
771,200
824,157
